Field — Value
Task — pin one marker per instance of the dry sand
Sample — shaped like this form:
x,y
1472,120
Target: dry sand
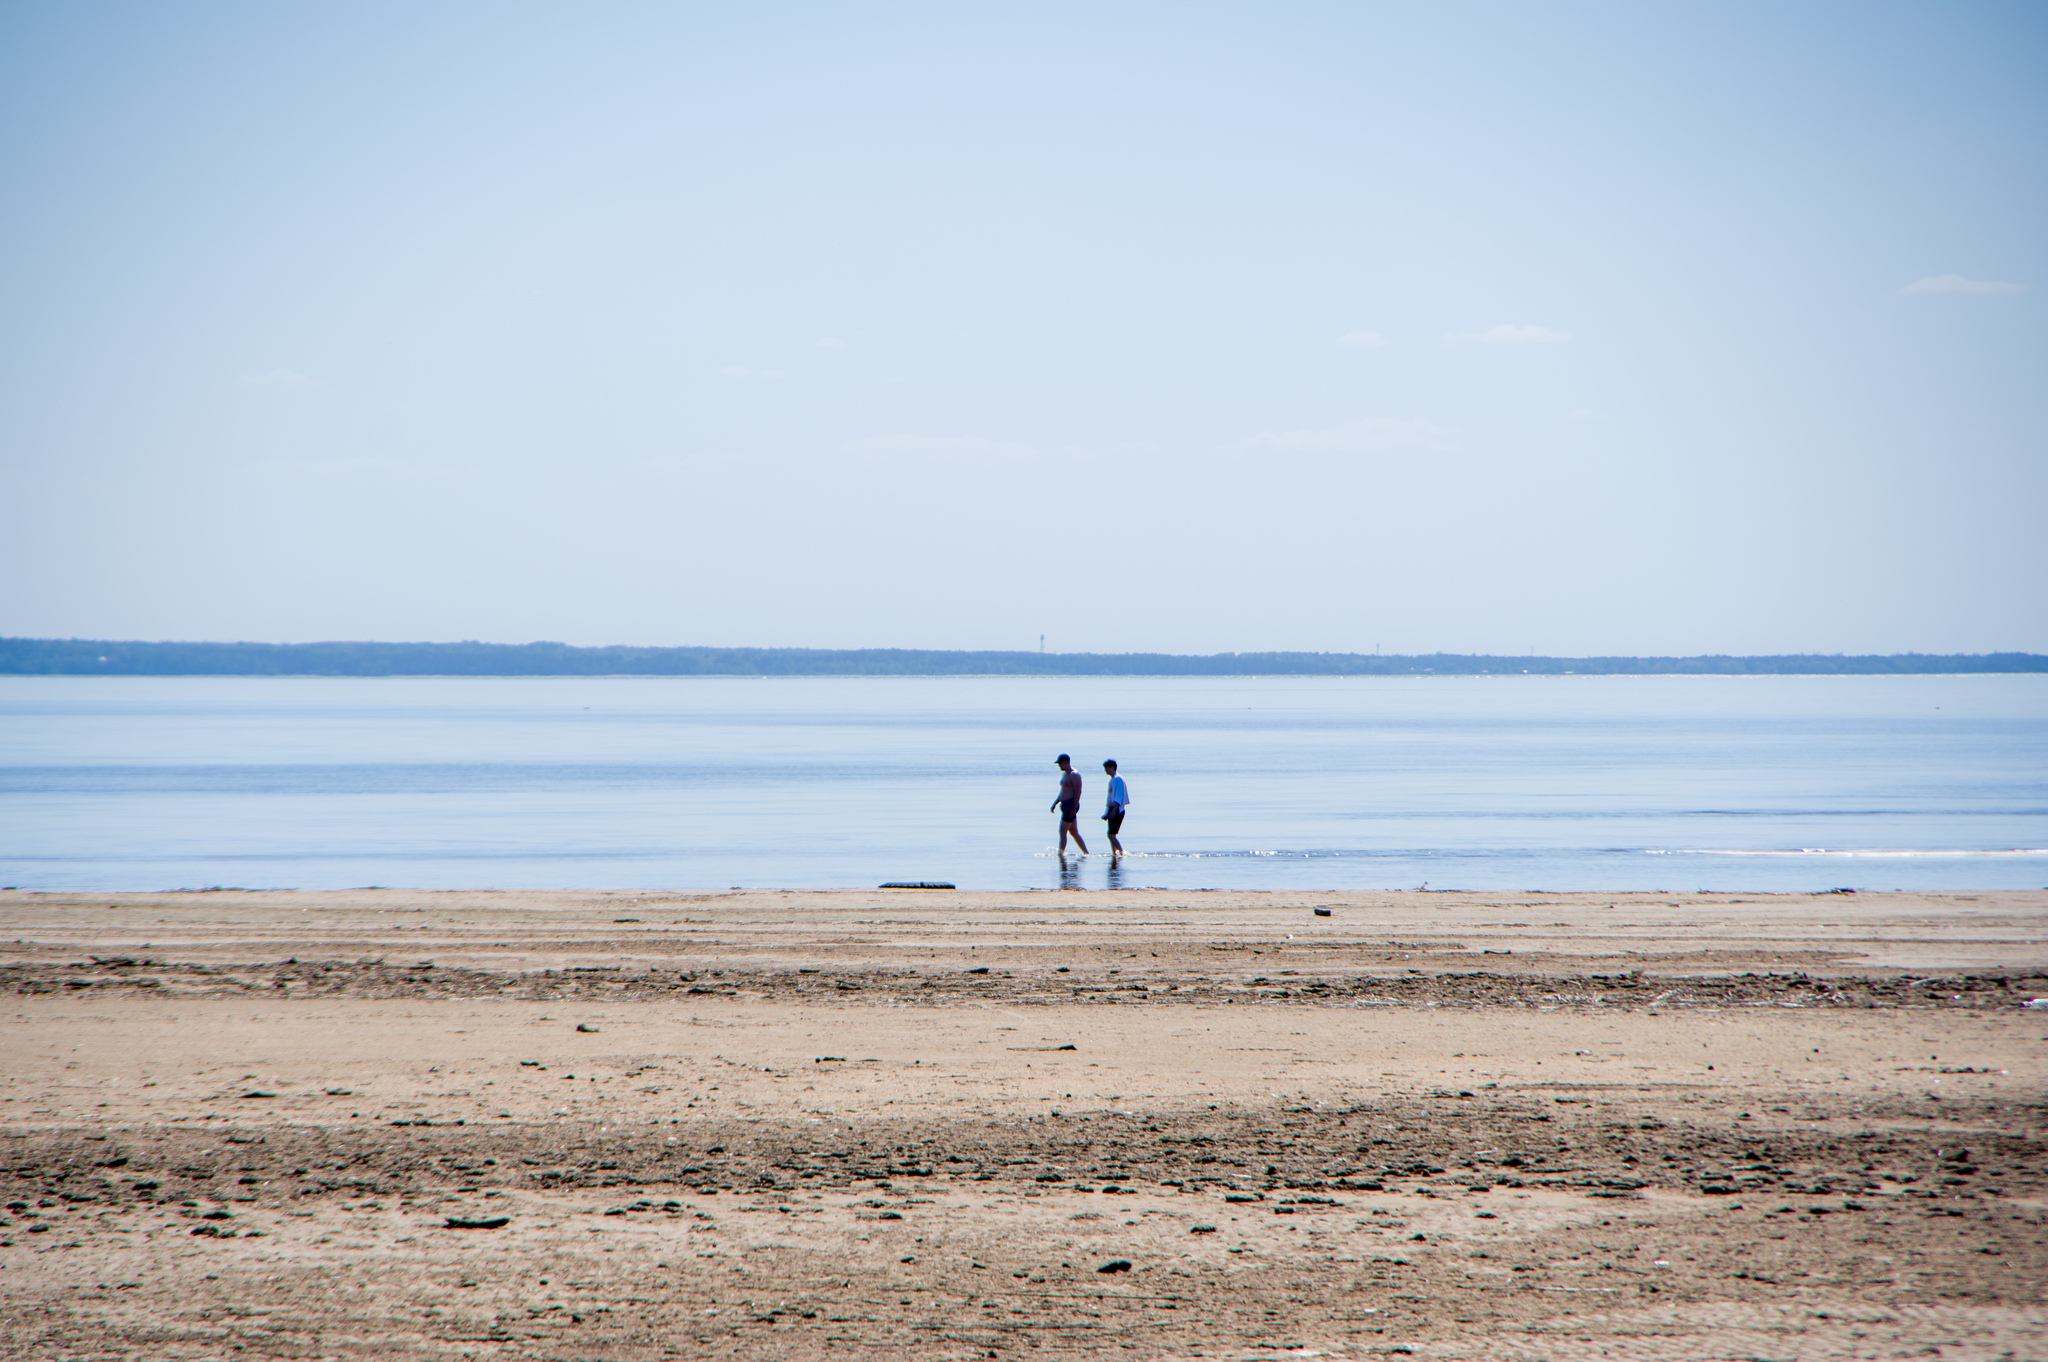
x,y
924,1124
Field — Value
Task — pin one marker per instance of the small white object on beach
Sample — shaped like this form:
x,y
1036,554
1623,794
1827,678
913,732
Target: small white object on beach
x,y
2037,1004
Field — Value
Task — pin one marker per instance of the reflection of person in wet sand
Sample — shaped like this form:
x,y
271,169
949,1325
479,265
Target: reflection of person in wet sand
x,y
1069,804
1119,801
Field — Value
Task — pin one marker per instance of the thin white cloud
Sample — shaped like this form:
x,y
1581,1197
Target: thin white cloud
x,y
669,463
1506,334
1955,283
831,343
378,468
1361,340
1372,435
740,371
289,380
949,449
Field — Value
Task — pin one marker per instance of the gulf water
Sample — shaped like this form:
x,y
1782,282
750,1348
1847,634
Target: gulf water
x,y
1495,783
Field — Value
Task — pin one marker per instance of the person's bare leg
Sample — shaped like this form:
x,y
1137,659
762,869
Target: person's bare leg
x,y
1074,828
1116,848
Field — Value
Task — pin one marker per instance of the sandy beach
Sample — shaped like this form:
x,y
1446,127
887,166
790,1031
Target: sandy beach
x,y
1155,1124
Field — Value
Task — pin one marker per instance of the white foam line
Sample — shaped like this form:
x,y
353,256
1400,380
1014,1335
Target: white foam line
x,y
1861,854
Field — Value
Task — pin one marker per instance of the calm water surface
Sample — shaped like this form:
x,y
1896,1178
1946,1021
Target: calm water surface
x,y
1458,783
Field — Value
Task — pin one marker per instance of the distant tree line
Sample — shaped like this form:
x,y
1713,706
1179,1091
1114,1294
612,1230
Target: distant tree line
x,y
90,657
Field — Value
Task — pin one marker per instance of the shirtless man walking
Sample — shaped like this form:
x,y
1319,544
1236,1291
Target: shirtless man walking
x,y
1069,804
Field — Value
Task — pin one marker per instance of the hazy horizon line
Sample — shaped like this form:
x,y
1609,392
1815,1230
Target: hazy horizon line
x,y
76,656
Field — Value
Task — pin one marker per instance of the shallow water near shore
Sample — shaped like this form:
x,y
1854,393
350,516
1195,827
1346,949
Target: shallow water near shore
x,y
1559,783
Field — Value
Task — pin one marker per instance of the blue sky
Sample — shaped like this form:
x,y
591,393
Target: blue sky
x,y
1572,328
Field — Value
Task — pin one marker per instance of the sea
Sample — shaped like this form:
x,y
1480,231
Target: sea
x,y
1516,783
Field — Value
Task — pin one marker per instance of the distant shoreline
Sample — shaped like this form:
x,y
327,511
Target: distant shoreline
x,y
105,657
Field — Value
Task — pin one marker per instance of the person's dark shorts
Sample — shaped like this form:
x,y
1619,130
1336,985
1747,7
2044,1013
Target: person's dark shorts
x,y
1070,812
1116,822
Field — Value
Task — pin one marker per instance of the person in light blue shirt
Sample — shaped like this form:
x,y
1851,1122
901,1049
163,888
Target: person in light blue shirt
x,y
1119,801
